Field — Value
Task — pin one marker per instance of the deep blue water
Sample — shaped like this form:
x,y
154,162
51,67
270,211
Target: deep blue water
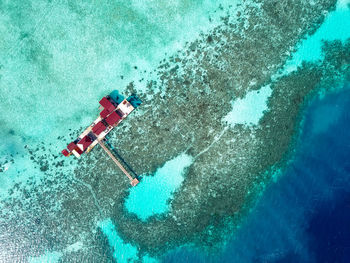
x,y
305,215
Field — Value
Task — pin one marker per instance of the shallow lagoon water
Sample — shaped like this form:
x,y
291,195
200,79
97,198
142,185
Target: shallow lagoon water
x,y
335,27
249,109
122,252
83,62
61,80
153,193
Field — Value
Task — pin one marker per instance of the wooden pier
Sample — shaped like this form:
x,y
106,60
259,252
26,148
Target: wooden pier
x,y
133,181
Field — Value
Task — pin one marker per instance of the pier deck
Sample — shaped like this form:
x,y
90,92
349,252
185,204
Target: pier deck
x,y
114,109
133,181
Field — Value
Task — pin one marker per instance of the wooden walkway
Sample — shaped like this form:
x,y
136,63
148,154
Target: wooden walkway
x,y
133,181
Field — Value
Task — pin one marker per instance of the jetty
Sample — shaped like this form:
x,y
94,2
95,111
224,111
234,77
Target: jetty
x,y
133,181
114,109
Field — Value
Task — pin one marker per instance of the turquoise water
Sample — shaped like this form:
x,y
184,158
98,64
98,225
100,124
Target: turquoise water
x,y
60,59
153,193
84,60
335,27
122,252
150,197
250,109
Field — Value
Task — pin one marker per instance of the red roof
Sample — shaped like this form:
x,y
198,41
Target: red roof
x,y
104,113
98,128
71,146
107,104
86,141
65,152
78,150
113,118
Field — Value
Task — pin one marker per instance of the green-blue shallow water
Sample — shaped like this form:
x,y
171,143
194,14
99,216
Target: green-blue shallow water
x,y
122,252
335,27
153,194
58,60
